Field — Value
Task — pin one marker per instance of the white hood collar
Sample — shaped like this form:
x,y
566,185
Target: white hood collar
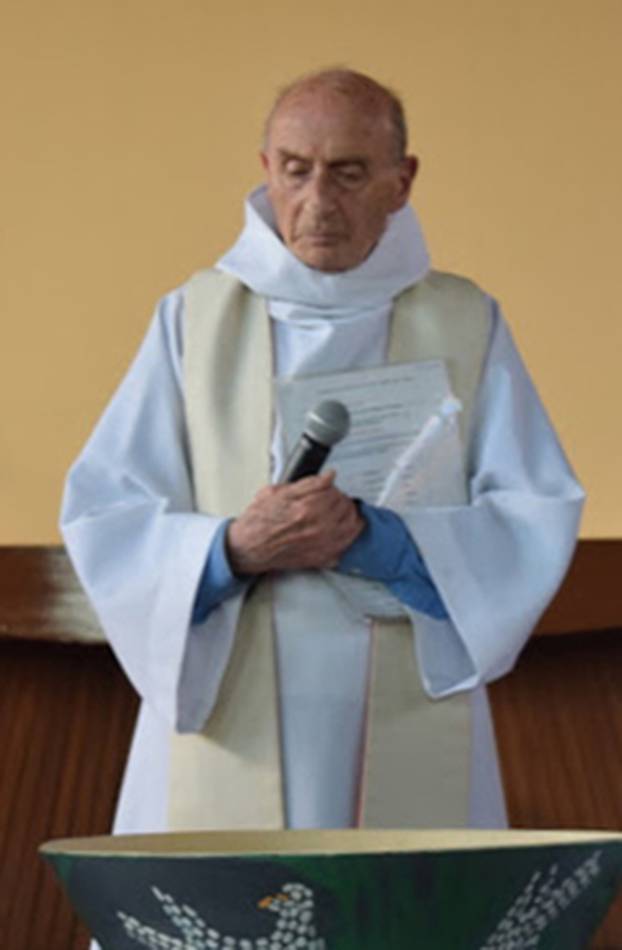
x,y
260,259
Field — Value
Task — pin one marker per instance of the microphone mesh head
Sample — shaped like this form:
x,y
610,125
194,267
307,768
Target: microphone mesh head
x,y
328,422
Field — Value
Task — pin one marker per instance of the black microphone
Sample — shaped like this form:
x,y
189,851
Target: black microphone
x,y
325,425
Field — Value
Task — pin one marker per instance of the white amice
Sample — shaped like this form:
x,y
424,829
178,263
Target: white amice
x,y
139,546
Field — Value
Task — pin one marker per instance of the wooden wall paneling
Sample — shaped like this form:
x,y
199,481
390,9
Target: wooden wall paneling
x,y
558,720
67,716
67,712
590,597
41,597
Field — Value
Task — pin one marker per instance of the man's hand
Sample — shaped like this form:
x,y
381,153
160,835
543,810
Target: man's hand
x,y
304,525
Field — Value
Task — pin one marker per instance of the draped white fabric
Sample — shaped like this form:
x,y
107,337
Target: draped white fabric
x,y
299,294
139,547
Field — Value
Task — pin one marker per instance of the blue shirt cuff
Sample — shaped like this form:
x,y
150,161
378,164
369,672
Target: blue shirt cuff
x,y
386,552
217,580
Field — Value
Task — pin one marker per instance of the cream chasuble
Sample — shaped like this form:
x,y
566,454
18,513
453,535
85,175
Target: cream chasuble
x,y
417,754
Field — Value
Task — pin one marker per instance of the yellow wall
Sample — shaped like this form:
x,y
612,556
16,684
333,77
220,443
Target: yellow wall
x,y
129,137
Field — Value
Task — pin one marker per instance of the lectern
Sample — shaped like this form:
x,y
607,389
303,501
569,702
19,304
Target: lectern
x,y
342,890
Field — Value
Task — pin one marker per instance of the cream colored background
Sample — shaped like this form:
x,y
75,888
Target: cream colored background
x,y
129,138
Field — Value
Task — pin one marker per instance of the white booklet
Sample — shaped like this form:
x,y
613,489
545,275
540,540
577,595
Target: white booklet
x,y
403,449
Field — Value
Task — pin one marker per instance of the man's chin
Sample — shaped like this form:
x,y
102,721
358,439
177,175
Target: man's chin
x,y
327,256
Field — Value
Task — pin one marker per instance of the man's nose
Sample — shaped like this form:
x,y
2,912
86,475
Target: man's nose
x,y
321,189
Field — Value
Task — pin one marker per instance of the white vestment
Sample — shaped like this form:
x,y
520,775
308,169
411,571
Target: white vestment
x,y
139,545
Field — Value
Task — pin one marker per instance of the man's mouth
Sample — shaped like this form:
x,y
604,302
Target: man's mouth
x,y
322,237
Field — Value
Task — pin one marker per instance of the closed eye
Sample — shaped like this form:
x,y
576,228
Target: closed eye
x,y
350,175
294,168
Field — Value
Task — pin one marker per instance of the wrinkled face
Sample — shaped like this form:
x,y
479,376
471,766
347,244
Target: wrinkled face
x,y
333,178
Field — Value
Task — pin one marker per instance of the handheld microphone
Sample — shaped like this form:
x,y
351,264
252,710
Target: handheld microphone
x,y
325,425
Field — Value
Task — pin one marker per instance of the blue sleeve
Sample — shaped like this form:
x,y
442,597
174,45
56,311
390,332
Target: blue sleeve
x,y
386,552
217,580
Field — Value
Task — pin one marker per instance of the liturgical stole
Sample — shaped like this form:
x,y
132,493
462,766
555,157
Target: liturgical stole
x,y
417,750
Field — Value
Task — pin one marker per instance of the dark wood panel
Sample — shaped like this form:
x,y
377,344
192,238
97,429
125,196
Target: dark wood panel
x,y
590,597
41,597
558,719
67,714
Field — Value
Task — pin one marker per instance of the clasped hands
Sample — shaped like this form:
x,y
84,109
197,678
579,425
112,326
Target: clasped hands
x,y
304,525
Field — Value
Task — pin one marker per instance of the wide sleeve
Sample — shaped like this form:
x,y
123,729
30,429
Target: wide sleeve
x,y
136,542
497,561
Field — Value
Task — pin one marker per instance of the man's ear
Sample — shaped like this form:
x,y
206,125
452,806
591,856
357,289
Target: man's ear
x,y
263,158
413,167
407,174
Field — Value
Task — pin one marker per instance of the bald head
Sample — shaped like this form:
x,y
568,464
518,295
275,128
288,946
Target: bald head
x,y
378,103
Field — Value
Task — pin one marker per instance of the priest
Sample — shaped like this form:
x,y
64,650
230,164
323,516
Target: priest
x,y
269,698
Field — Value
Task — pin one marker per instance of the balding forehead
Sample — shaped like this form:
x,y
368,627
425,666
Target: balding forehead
x,y
308,121
335,89
347,109
352,88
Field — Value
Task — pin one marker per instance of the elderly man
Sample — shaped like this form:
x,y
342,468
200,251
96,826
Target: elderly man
x,y
270,699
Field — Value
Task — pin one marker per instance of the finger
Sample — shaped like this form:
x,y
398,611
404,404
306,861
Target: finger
x,y
340,507
310,485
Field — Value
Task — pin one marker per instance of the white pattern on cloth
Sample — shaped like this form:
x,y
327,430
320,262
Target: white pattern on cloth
x,y
294,929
